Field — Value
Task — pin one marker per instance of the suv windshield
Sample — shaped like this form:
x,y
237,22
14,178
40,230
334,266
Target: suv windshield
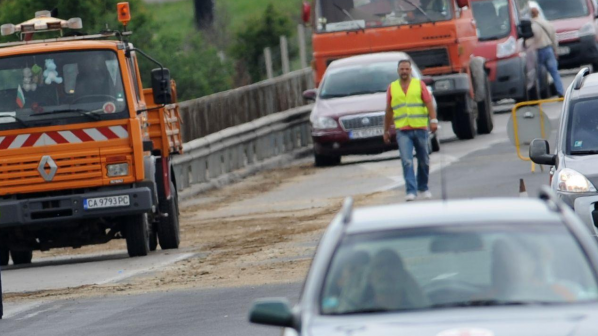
x,y
341,15
60,88
493,19
559,9
582,128
361,79
477,265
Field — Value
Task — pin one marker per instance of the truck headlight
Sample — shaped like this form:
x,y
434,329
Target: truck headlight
x,y
587,29
571,181
507,48
119,169
324,123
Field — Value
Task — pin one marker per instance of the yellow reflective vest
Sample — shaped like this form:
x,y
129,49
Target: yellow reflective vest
x,y
409,110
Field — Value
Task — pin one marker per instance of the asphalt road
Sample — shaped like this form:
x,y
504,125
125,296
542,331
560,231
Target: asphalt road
x,y
484,167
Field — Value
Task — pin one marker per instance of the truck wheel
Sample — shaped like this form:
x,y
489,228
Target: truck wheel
x,y
153,240
544,85
464,120
485,123
21,257
137,235
525,91
534,93
4,257
168,227
326,161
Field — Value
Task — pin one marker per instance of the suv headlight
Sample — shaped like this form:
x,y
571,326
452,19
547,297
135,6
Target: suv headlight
x,y
571,181
507,48
119,169
587,29
324,123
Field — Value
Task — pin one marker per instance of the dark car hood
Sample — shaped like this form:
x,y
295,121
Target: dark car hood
x,y
336,107
585,165
520,321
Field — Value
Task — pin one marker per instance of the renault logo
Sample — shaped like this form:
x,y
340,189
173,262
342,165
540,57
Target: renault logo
x,y
47,168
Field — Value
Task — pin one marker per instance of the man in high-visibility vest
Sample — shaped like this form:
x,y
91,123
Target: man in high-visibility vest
x,y
411,108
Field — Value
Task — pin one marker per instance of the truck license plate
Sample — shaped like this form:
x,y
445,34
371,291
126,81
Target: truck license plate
x,y
366,133
563,51
106,202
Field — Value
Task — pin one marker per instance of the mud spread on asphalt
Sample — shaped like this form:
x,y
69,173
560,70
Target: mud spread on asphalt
x,y
234,247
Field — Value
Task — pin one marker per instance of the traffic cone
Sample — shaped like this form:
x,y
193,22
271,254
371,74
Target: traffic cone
x,y
522,191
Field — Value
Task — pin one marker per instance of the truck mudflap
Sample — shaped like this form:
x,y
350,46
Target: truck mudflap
x,y
110,203
450,85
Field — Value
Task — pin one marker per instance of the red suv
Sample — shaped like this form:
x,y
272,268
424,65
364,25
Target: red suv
x,y
348,115
574,21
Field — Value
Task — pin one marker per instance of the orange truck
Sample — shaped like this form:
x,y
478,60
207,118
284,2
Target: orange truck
x,y
439,35
85,151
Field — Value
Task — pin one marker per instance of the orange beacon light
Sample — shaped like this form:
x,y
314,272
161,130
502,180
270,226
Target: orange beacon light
x,y
124,14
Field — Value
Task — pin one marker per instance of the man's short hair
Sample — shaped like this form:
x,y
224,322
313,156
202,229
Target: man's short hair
x,y
404,61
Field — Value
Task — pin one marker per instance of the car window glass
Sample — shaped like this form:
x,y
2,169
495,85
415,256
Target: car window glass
x,y
559,9
427,269
492,18
583,127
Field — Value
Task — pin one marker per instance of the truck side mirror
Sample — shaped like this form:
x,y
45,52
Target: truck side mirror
x,y
524,30
463,3
539,152
161,86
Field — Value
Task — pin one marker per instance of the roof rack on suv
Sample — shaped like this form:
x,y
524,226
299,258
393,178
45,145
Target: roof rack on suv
x,y
578,81
347,210
546,194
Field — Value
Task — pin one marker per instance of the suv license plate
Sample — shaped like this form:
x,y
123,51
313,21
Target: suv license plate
x,y
366,133
563,51
106,202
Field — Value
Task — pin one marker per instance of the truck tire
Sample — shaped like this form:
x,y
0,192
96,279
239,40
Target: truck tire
x,y
478,74
169,234
464,120
485,122
326,161
4,257
21,257
153,240
137,235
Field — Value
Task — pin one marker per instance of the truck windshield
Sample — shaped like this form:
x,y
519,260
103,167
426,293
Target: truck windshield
x,y
342,15
559,9
60,88
492,18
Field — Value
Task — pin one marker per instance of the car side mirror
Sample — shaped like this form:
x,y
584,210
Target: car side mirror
x,y
524,30
539,152
428,80
462,3
161,86
272,312
310,94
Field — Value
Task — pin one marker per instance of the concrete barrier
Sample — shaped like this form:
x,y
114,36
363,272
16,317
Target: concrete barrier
x,y
244,147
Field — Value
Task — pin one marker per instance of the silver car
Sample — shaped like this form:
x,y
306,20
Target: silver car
x,y
490,267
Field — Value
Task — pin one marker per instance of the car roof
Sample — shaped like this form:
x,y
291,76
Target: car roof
x,y
451,213
369,58
588,89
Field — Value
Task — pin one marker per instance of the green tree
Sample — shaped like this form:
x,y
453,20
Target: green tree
x,y
257,34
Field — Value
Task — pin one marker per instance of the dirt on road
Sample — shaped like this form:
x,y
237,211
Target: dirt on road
x,y
251,248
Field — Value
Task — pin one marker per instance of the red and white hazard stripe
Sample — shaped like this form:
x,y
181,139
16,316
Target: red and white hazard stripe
x,y
63,137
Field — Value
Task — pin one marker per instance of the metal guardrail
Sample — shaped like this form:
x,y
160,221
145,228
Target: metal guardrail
x,y
242,146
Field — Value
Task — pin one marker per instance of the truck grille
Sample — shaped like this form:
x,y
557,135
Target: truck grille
x,y
362,121
23,171
432,58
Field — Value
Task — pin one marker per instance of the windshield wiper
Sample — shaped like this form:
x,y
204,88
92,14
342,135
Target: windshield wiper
x,y
91,114
585,152
373,311
17,119
488,303
348,15
420,9
364,92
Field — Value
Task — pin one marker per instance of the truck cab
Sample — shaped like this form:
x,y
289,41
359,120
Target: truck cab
x,y
512,65
439,35
84,150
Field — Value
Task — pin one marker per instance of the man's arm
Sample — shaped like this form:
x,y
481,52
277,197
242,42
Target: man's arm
x,y
429,102
388,118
